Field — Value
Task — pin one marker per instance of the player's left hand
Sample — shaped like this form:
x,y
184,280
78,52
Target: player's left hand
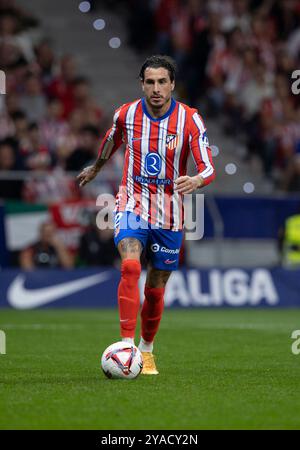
x,y
187,185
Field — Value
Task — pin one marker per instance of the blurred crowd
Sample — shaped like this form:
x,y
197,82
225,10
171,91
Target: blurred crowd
x,y
96,248
235,61
235,58
49,121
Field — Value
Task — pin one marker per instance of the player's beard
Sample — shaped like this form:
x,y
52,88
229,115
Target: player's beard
x,y
158,105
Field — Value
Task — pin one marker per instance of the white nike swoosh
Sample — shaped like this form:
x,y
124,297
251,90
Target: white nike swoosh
x,y
22,298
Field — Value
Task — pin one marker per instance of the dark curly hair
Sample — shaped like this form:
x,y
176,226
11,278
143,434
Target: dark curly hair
x,y
157,61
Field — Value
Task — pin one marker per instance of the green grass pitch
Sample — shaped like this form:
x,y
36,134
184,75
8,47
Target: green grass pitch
x,y
219,369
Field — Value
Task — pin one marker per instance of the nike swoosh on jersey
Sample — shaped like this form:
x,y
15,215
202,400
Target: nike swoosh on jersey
x,y
21,297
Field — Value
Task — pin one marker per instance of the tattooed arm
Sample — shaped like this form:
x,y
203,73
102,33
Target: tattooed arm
x,y
111,142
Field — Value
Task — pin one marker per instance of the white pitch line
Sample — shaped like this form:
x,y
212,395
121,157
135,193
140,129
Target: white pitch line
x,y
40,326
248,326
55,326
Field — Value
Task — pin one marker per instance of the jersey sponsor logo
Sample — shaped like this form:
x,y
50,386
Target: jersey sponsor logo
x,y
21,297
157,181
169,261
171,141
153,164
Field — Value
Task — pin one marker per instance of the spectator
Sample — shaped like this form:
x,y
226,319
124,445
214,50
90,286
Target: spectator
x,y
97,248
291,175
12,103
36,156
33,101
53,128
16,75
48,252
68,142
45,59
13,43
289,242
254,92
61,87
85,103
50,187
9,188
86,152
6,124
20,136
141,25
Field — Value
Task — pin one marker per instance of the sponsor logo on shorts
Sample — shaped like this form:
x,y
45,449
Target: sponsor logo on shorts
x,y
170,251
156,248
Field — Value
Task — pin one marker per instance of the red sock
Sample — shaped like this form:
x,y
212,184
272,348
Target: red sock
x,y
152,310
128,296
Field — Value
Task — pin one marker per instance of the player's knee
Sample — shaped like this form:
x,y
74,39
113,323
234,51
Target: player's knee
x,y
158,278
131,269
154,295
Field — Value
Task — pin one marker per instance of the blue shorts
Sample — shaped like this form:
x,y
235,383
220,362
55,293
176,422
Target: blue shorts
x,y
162,246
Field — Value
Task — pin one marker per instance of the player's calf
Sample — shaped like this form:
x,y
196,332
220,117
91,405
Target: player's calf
x,y
128,297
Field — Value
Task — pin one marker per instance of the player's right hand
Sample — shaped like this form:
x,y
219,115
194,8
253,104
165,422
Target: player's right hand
x,y
87,175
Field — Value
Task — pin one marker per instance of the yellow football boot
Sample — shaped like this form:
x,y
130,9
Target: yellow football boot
x,y
149,367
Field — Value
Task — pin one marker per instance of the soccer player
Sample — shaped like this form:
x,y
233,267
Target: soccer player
x,y
159,134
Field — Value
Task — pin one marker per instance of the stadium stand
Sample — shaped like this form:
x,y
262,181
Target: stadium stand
x,y
227,52
235,59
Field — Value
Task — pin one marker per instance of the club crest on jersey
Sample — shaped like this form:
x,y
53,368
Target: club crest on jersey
x,y
171,141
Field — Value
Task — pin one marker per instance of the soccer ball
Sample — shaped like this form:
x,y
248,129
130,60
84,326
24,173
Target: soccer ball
x,y
122,360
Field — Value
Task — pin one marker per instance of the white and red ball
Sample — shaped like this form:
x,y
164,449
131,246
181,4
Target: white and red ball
x,y
122,360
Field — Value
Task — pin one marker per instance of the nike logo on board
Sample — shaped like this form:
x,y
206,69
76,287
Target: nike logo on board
x,y
21,297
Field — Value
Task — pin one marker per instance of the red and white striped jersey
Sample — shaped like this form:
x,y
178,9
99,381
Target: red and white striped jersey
x,y
156,154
